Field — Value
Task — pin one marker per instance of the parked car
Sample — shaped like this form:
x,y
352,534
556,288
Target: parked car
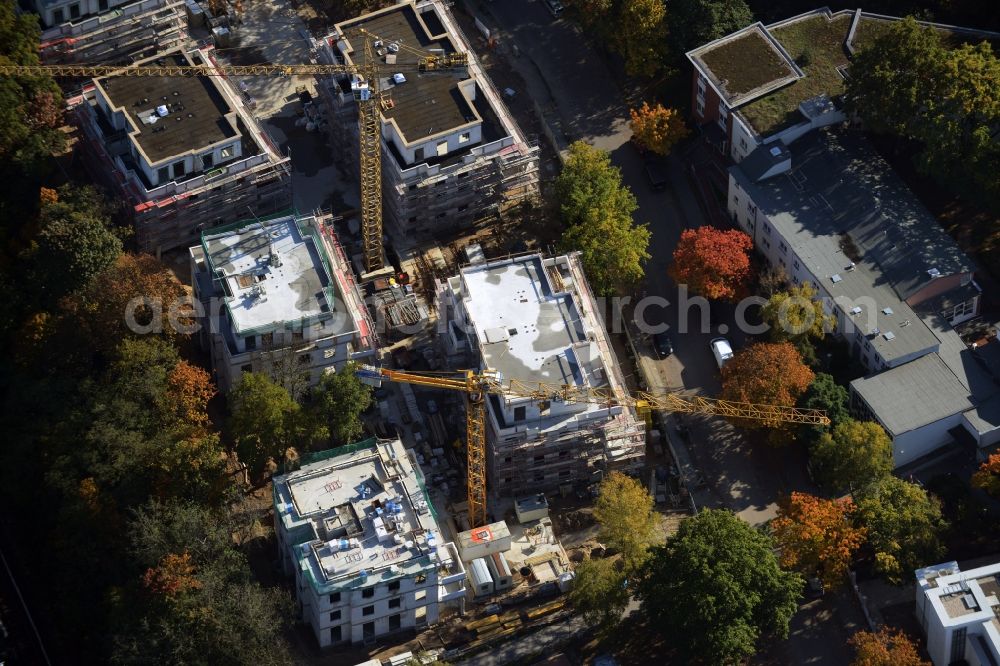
x,y
662,344
656,171
722,350
555,7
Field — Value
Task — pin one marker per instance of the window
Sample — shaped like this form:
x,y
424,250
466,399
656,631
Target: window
x,y
368,610
420,579
507,479
418,154
442,148
767,229
701,107
749,206
413,218
162,175
207,161
540,459
958,645
767,244
334,616
539,476
701,84
743,144
783,248
335,634
564,472
564,454
393,586
102,5
58,16
420,596
74,11
251,343
464,137
226,152
520,413
795,264
178,169
736,200
395,603
368,593
394,622
368,630
267,340
506,459
335,598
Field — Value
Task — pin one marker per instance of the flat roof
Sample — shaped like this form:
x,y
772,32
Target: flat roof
x,y
526,330
745,65
272,273
427,103
914,394
194,117
363,515
842,204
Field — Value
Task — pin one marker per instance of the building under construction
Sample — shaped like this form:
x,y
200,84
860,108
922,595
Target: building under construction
x,y
108,31
534,320
451,152
183,153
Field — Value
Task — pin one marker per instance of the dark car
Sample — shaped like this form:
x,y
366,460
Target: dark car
x,y
662,344
656,171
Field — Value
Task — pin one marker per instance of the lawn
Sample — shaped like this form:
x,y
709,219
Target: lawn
x,y
816,44
745,64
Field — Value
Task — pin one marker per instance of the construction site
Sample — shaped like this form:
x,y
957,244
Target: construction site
x,y
500,402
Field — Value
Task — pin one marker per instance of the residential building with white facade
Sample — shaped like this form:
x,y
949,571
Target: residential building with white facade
x,y
108,31
278,296
451,151
534,320
775,83
830,211
356,528
959,612
183,153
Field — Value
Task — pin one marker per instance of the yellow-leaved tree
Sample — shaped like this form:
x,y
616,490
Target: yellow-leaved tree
x,y
657,128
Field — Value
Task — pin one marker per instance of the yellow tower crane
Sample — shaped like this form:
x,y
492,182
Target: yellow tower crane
x,y
372,100
475,386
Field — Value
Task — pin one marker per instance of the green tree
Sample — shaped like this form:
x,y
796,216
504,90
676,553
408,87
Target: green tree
x,y
716,589
826,394
599,591
691,23
904,526
265,420
74,244
624,510
597,211
853,455
337,403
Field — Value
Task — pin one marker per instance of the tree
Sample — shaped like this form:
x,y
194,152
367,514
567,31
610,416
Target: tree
x,y
639,36
904,526
885,648
691,23
338,401
657,128
712,262
74,242
715,589
825,394
816,537
624,511
189,388
853,455
600,591
987,476
265,420
767,373
597,210
796,314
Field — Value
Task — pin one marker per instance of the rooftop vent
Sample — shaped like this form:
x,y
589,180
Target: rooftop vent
x,y
887,311
850,267
775,151
889,335
398,78
933,272
161,110
835,278
856,310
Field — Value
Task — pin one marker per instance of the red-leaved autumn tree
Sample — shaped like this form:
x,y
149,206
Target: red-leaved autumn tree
x,y
189,390
816,537
769,373
712,262
987,476
173,576
885,648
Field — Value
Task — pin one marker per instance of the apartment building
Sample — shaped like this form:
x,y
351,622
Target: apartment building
x,y
535,320
183,154
830,211
278,296
356,529
108,31
774,83
451,152
959,612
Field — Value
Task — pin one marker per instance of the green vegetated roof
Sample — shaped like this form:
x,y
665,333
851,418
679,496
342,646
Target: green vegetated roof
x,y
745,64
817,45
871,28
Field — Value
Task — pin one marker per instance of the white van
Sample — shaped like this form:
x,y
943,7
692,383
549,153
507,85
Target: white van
x,y
722,350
